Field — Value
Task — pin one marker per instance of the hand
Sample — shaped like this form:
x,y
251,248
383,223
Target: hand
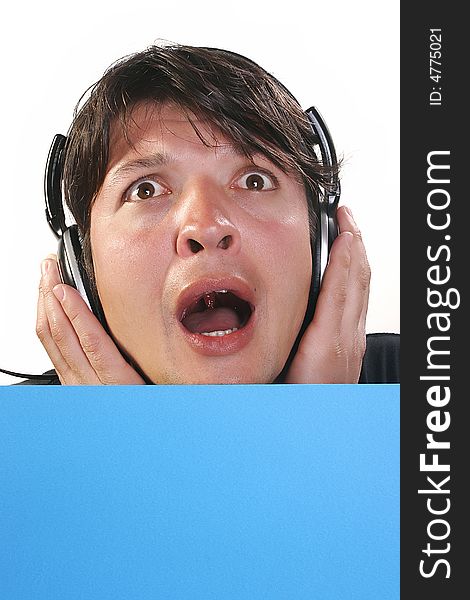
x,y
80,349
333,345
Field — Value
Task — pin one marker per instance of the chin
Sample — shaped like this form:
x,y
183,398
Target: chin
x,y
255,364
215,377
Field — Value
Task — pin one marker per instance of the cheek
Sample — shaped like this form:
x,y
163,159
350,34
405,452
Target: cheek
x,y
284,234
125,273
287,252
287,267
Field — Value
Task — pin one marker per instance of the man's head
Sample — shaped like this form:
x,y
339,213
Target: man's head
x,y
190,175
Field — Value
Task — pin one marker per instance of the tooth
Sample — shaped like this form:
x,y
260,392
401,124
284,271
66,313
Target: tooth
x,y
219,333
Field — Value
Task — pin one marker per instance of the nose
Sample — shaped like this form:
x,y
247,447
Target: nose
x,y
204,222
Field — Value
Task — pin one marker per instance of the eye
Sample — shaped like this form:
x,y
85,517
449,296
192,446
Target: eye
x,y
257,181
144,190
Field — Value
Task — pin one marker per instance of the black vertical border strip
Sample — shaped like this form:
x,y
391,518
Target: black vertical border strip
x,y
426,128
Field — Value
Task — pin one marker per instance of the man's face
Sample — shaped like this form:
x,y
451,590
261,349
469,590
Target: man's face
x,y
202,257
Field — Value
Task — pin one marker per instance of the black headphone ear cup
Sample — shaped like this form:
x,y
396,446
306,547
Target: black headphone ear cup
x,y
68,254
72,272
316,258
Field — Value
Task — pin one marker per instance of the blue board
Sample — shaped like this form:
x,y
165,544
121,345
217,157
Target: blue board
x,y
199,492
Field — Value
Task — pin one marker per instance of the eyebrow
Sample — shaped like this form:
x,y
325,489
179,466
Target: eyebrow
x,y
157,159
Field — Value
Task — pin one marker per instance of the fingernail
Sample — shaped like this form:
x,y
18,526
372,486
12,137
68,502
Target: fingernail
x,y
59,292
44,267
348,210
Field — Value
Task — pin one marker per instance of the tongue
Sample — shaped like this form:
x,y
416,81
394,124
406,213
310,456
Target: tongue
x,y
213,319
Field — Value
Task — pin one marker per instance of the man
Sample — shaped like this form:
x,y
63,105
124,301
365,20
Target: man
x,y
190,175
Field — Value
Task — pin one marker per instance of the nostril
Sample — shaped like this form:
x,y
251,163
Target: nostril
x,y
225,242
195,246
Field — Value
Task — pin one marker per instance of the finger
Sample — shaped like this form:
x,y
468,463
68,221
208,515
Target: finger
x,y
99,348
63,334
44,334
359,275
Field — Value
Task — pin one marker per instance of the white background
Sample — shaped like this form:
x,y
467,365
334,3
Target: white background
x,y
341,56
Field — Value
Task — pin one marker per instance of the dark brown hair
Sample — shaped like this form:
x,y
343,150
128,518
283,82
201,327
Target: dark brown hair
x,y
241,100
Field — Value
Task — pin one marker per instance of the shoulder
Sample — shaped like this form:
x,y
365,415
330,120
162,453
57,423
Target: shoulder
x,y
381,362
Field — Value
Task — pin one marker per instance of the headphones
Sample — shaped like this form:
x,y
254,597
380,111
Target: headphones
x,y
69,251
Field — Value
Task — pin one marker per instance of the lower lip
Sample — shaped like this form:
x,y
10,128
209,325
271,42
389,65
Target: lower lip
x,y
221,345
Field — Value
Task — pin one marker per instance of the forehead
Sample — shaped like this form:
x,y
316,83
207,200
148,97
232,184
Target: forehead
x,y
152,124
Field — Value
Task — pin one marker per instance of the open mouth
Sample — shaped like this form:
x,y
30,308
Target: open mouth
x,y
216,314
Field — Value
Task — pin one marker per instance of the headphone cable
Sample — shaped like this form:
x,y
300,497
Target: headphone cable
x,y
29,375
